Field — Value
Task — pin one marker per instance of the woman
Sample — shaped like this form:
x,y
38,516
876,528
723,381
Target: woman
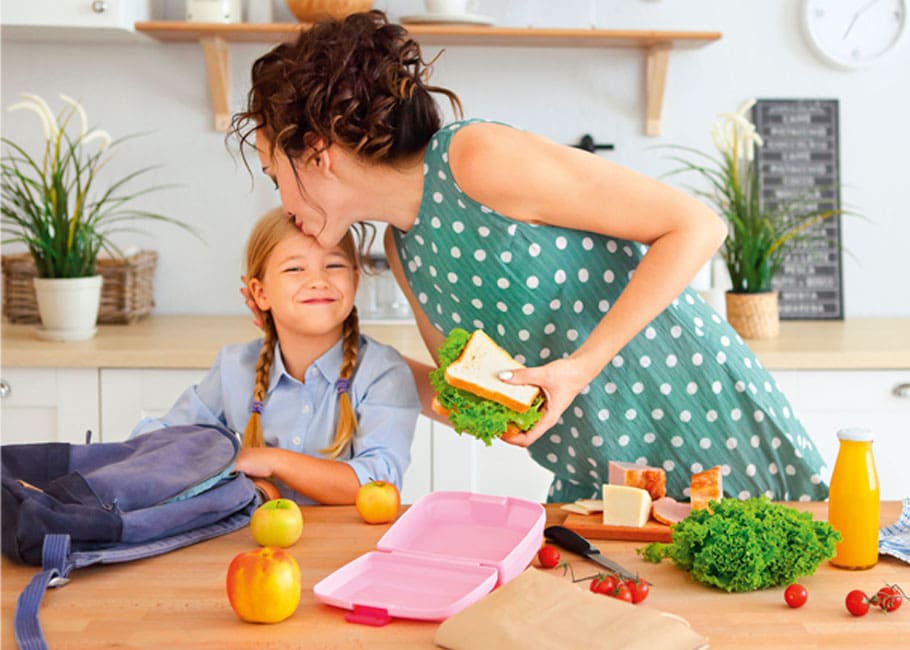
x,y
575,263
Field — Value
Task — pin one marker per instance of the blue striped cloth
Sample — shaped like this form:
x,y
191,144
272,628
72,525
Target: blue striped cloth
x,y
895,539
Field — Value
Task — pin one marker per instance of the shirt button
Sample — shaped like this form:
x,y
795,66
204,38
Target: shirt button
x,y
306,408
297,440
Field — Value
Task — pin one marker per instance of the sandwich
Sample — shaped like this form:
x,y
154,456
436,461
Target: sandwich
x,y
471,395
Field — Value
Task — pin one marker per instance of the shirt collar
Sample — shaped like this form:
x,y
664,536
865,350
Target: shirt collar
x,y
328,366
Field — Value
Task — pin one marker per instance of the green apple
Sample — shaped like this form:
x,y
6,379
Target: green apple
x,y
277,522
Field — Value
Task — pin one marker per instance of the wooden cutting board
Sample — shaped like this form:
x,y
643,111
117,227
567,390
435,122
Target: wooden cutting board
x,y
592,527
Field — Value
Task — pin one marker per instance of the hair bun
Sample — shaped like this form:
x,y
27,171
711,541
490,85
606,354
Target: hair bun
x,y
360,82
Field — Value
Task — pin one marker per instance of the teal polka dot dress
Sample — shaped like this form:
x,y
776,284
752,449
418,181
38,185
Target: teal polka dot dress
x,y
685,394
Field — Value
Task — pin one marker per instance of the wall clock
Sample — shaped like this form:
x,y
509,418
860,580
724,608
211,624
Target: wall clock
x,y
854,33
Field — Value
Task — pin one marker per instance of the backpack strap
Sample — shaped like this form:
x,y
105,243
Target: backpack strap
x,y
56,567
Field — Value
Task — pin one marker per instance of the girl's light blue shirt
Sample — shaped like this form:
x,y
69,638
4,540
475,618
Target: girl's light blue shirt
x,y
302,416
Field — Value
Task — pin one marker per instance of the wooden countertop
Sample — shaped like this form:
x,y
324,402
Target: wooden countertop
x,y
165,342
178,600
193,341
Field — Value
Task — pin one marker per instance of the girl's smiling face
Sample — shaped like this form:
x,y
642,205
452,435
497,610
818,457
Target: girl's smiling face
x,y
308,288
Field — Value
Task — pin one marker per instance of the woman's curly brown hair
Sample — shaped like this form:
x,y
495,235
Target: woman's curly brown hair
x,y
360,82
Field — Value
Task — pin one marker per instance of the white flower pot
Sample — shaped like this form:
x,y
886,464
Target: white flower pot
x,y
68,307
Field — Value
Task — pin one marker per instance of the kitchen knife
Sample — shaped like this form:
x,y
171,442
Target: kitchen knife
x,y
572,541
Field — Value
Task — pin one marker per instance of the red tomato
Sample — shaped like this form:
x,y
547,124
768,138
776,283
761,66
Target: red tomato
x,y
889,598
263,586
857,603
548,556
796,595
604,583
622,592
638,588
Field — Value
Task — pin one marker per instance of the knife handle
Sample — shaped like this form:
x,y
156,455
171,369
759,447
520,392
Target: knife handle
x,y
569,540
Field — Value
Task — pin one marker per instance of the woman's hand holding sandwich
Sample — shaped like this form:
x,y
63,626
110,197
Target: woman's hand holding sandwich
x,y
560,381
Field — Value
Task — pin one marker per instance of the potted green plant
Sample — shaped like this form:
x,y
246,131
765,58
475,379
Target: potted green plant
x,y
759,239
56,205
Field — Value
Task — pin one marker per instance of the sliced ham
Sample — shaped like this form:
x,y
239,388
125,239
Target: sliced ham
x,y
706,486
667,510
651,479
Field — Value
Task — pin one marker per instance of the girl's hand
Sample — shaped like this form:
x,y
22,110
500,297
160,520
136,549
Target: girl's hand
x,y
256,462
250,303
560,381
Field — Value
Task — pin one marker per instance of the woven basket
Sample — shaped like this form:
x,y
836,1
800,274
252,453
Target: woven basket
x,y
127,290
753,315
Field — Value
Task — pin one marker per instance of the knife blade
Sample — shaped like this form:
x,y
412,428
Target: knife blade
x,y
572,541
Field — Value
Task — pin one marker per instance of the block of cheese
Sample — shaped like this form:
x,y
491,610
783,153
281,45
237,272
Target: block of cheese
x,y
652,479
625,506
706,486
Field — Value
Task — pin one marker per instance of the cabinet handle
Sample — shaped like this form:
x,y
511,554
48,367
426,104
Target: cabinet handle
x,y
99,6
5,388
902,390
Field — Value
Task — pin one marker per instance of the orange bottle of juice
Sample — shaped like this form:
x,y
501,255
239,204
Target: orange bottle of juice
x,y
853,501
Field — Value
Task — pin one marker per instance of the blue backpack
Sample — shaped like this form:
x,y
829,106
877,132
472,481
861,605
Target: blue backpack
x,y
67,506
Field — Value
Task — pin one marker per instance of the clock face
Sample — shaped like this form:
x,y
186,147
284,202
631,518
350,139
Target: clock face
x,y
854,33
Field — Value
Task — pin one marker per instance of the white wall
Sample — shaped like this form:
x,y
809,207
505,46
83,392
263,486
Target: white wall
x,y
561,93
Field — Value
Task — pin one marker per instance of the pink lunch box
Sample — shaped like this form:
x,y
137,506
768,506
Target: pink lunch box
x,y
445,552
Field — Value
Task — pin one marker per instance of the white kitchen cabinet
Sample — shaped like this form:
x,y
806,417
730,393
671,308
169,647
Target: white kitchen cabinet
x,y
48,404
74,20
130,394
418,479
461,462
827,401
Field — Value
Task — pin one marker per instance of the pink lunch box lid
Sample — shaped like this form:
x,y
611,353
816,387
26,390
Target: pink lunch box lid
x,y
445,552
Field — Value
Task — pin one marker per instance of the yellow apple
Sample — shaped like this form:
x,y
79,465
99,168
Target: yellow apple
x,y
378,502
277,522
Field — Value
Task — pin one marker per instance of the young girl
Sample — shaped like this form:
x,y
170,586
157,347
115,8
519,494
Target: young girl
x,y
323,408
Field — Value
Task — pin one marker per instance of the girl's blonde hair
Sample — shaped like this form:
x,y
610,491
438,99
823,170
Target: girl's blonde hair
x,y
271,229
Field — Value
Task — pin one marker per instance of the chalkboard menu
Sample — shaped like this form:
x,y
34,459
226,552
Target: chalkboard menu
x,y
800,161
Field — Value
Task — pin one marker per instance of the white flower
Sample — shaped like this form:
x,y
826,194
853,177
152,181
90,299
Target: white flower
x,y
37,105
734,134
47,125
98,134
78,108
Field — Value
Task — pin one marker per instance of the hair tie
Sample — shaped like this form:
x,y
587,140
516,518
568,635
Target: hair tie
x,y
256,407
342,386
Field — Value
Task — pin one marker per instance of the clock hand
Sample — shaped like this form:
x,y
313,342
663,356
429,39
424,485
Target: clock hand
x,y
859,13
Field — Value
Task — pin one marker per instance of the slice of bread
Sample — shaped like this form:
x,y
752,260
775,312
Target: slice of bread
x,y
477,369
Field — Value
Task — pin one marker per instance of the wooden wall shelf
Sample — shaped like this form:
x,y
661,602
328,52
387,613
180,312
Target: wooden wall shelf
x,y
655,44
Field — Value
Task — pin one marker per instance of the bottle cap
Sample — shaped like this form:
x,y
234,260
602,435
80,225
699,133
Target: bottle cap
x,y
855,434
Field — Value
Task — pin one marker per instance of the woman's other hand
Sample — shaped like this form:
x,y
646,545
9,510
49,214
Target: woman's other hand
x,y
250,303
560,381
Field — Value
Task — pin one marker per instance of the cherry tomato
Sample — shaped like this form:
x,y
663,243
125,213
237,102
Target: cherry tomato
x,y
604,583
857,603
621,592
548,556
796,595
889,598
638,588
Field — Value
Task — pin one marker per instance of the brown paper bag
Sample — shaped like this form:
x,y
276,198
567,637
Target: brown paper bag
x,y
541,611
